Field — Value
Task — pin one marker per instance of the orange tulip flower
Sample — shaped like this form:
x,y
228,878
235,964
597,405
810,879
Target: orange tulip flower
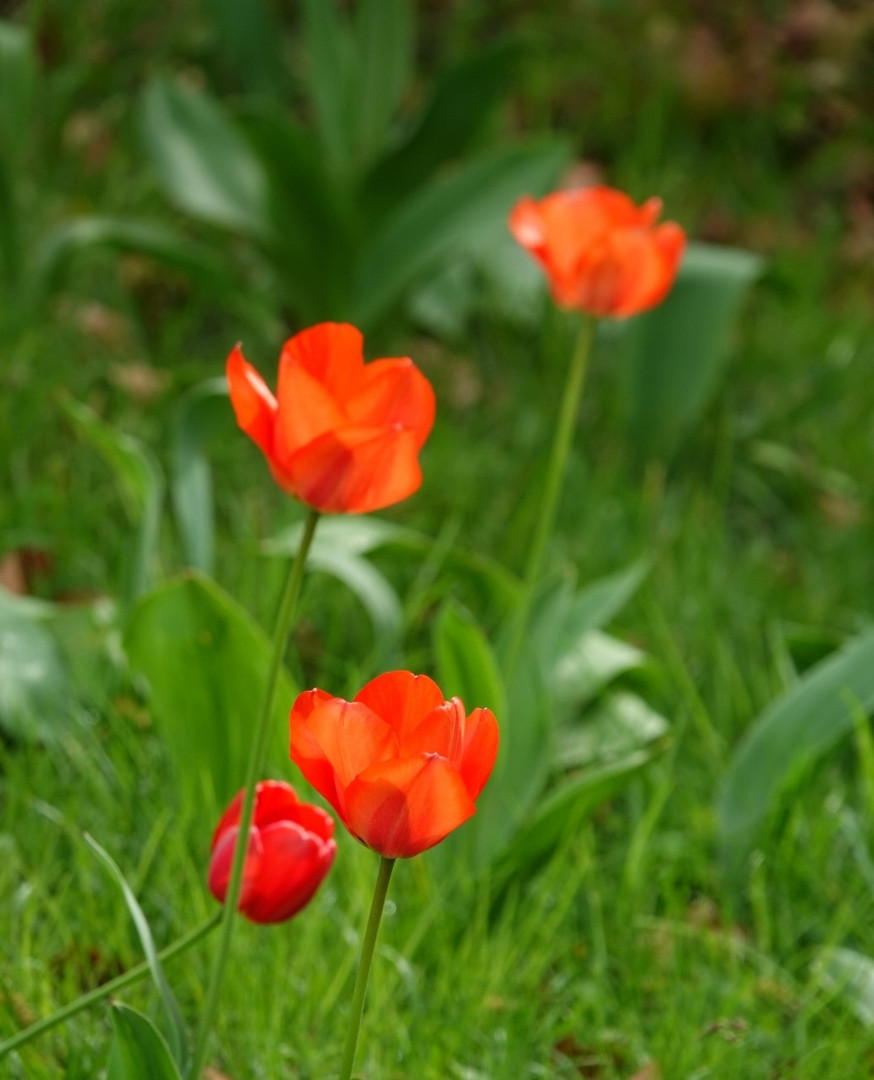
x,y
401,766
602,254
291,848
341,435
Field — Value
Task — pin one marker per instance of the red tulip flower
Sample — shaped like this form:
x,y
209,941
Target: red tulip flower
x,y
401,766
340,435
291,848
602,254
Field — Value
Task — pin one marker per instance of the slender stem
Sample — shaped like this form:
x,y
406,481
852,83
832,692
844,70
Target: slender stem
x,y
367,947
256,763
111,987
570,404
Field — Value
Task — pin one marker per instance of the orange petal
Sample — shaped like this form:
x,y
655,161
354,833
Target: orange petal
x,y
440,732
254,404
356,470
305,750
402,807
332,353
307,408
480,750
402,699
393,392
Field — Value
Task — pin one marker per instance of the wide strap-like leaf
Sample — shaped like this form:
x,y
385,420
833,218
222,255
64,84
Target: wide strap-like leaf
x,y
138,1050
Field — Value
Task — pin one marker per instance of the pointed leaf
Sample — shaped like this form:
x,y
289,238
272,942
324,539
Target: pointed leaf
x,y
385,33
205,165
206,663
171,1007
789,737
138,1052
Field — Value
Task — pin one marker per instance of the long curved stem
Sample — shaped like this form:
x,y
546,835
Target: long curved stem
x,y
561,444
367,948
34,1031
256,763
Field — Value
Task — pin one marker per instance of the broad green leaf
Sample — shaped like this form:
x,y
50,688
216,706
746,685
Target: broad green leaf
x,y
251,39
171,1007
140,483
849,975
675,354
466,665
332,75
565,808
790,736
34,682
206,662
463,99
139,1051
595,604
200,413
617,728
17,82
592,663
450,211
204,163
385,33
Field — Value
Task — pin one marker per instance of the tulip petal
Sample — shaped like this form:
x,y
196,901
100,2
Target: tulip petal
x,y
335,742
332,353
480,750
222,861
401,699
393,392
255,406
307,409
405,806
440,732
356,470
293,864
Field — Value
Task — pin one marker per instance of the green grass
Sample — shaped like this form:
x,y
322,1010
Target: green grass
x,y
629,946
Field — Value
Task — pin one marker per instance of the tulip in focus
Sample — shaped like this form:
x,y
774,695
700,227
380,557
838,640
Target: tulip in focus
x,y
291,848
340,435
602,254
401,766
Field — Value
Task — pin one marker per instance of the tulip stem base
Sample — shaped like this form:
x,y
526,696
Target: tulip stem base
x,y
107,989
368,946
561,444
287,609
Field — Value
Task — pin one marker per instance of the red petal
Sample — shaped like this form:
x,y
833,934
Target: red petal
x,y
254,404
293,864
356,470
480,750
440,732
401,699
394,392
403,807
307,408
332,353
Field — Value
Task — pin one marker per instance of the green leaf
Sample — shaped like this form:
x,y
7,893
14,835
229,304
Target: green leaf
x,y
165,245
617,728
171,1007
204,163
849,975
675,354
466,665
138,1052
17,81
449,212
251,39
332,78
206,662
34,683
789,737
593,662
385,33
566,808
200,413
462,101
140,482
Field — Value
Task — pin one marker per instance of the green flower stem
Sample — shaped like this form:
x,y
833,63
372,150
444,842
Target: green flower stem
x,y
570,404
367,946
107,989
256,764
